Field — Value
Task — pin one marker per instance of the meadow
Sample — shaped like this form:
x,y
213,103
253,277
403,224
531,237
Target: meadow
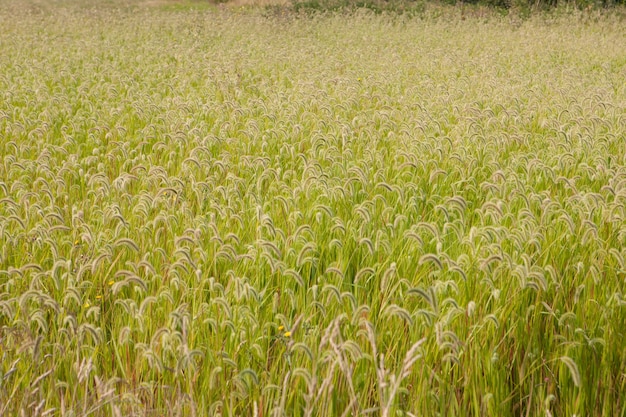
x,y
220,211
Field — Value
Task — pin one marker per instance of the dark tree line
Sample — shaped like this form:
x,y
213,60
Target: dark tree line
x,y
418,6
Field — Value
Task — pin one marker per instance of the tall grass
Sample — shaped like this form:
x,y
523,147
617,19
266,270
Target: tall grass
x,y
210,212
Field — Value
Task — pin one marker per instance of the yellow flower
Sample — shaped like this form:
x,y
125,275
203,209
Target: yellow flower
x,y
287,334
98,297
281,328
111,282
86,305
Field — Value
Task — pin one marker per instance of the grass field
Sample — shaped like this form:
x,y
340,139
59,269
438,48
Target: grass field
x,y
211,211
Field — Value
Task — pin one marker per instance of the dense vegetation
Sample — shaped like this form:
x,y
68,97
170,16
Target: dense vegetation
x,y
419,7
210,211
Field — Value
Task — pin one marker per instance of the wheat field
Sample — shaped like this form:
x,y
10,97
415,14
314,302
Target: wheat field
x,y
221,211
